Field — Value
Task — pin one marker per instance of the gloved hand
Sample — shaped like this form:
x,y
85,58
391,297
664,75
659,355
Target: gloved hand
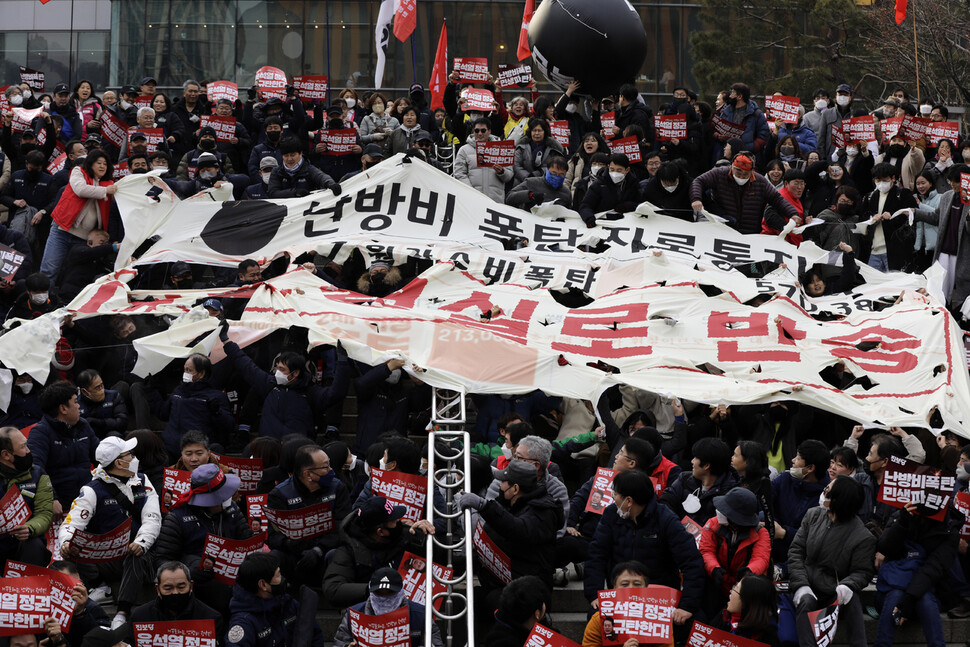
x,y
743,572
466,500
801,593
224,331
717,576
336,189
310,558
251,93
843,594
590,223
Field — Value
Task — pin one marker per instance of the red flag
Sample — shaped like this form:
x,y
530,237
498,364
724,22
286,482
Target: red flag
x,y
900,11
530,8
405,19
439,73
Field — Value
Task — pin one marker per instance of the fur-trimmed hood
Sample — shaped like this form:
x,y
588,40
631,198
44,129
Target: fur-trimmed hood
x,y
392,280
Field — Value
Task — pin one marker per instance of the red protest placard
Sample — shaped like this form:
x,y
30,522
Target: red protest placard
x,y
824,624
471,70
249,470
24,604
254,512
514,76
311,87
629,146
175,483
942,130
271,82
386,630
51,535
859,129
965,189
13,508
413,570
482,100
225,127
10,262
144,101
302,523
560,132
837,135
22,118
175,633
57,163
339,141
33,78
905,481
670,127
113,129
501,153
93,549
693,529
401,489
914,128
601,494
493,558
726,128
62,585
961,501
784,108
640,613
155,136
228,554
545,637
702,635
120,170
222,90
608,122
889,127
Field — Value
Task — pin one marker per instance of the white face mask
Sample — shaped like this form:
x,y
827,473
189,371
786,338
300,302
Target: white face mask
x,y
593,170
353,463
692,504
571,108
155,167
26,387
281,378
351,102
124,104
207,175
266,177
187,377
377,108
721,519
623,514
797,472
843,100
617,177
382,465
925,109
133,465
821,104
670,188
741,181
851,151
40,298
506,451
292,168
822,499
27,94
883,187
16,100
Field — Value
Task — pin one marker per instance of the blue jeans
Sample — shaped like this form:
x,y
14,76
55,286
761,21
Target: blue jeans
x,y
927,610
879,261
59,243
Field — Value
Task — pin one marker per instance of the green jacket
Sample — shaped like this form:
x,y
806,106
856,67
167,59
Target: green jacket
x,y
35,487
572,444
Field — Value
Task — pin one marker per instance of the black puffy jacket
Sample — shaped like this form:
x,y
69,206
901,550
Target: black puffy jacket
x,y
183,532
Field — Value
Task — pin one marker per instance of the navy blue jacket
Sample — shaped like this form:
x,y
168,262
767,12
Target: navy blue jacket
x,y
110,514
36,191
110,414
382,406
183,532
492,407
257,191
195,406
292,495
65,453
264,149
23,410
685,484
605,195
264,622
659,541
585,522
791,499
306,178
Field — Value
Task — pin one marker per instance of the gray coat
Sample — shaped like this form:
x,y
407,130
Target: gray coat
x,y
483,178
940,217
524,163
825,554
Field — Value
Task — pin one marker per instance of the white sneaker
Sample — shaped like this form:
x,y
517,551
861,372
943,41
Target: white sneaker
x,y
100,594
118,621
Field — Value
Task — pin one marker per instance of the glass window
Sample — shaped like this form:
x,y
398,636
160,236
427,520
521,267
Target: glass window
x,y
13,50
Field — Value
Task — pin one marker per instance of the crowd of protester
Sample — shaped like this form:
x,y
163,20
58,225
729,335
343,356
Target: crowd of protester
x,y
785,495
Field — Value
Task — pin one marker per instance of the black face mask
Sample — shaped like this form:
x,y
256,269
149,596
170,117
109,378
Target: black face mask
x,y
139,171
279,589
26,148
335,124
678,101
207,145
898,150
32,175
174,602
845,209
777,414
273,136
23,463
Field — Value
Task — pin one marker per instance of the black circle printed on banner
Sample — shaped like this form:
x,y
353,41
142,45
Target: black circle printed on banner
x,y
242,228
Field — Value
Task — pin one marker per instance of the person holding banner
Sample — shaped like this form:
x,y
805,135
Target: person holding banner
x,y
548,189
488,180
25,542
195,405
669,190
533,150
887,243
117,492
176,600
296,177
617,190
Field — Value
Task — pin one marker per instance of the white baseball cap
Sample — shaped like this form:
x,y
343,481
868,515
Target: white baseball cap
x,y
111,448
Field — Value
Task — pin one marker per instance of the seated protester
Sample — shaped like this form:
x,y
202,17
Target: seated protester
x,y
349,469
887,243
189,167
523,603
36,299
268,147
792,191
27,197
297,177
104,409
263,613
750,461
27,542
815,285
313,482
669,190
259,190
84,264
616,191
625,575
370,156
752,611
23,409
162,161
386,594
195,405
733,545
273,476
845,462
63,444
831,560
548,188
375,534
638,528
597,166
177,599
796,490
882,447
138,164
209,175
117,492
292,402
206,508
88,614
711,476
195,453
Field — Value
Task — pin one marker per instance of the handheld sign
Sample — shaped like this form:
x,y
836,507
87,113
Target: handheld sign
x,y
669,127
784,108
906,482
644,614
501,153
514,76
471,70
601,494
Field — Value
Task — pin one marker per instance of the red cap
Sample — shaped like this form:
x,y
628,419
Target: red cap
x,y
743,163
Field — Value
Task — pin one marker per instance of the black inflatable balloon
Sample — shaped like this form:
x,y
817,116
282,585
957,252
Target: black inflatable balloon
x,y
242,228
601,43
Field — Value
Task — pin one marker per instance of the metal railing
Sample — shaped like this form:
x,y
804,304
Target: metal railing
x,y
449,467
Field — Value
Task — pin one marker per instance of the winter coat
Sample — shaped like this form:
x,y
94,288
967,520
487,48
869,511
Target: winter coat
x,y
677,491
531,164
605,195
941,218
106,416
371,124
751,550
65,453
831,116
344,636
636,114
552,480
492,407
194,610
184,529
676,204
306,178
291,494
82,266
804,135
792,499
382,406
265,622
756,130
825,554
35,488
743,205
98,509
260,151
535,190
909,168
401,139
195,406
898,233
483,179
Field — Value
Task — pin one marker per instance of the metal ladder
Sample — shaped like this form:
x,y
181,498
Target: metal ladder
x,y
448,468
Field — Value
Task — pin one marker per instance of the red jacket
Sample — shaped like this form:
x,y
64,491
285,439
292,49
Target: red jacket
x,y
661,475
69,207
753,552
793,238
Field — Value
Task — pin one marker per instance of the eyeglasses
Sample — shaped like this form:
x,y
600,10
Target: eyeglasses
x,y
480,130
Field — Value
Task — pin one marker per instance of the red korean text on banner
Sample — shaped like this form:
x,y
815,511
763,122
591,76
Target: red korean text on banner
x,y
33,78
889,127
471,70
629,146
386,630
859,129
545,637
726,128
837,135
94,549
413,570
62,586
908,482
961,501
514,76
302,523
601,494
608,122
439,73
560,132
942,130
120,170
10,262
784,108
965,189
4,104
22,118
405,19
50,537
311,87
640,613
693,529
228,554
57,163
175,633
824,623
482,100
113,129
249,470
702,635
492,557
500,153
13,508
339,141
144,101
24,604
254,512
914,128
154,137
669,127
399,488
271,82
175,483
217,90
225,127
